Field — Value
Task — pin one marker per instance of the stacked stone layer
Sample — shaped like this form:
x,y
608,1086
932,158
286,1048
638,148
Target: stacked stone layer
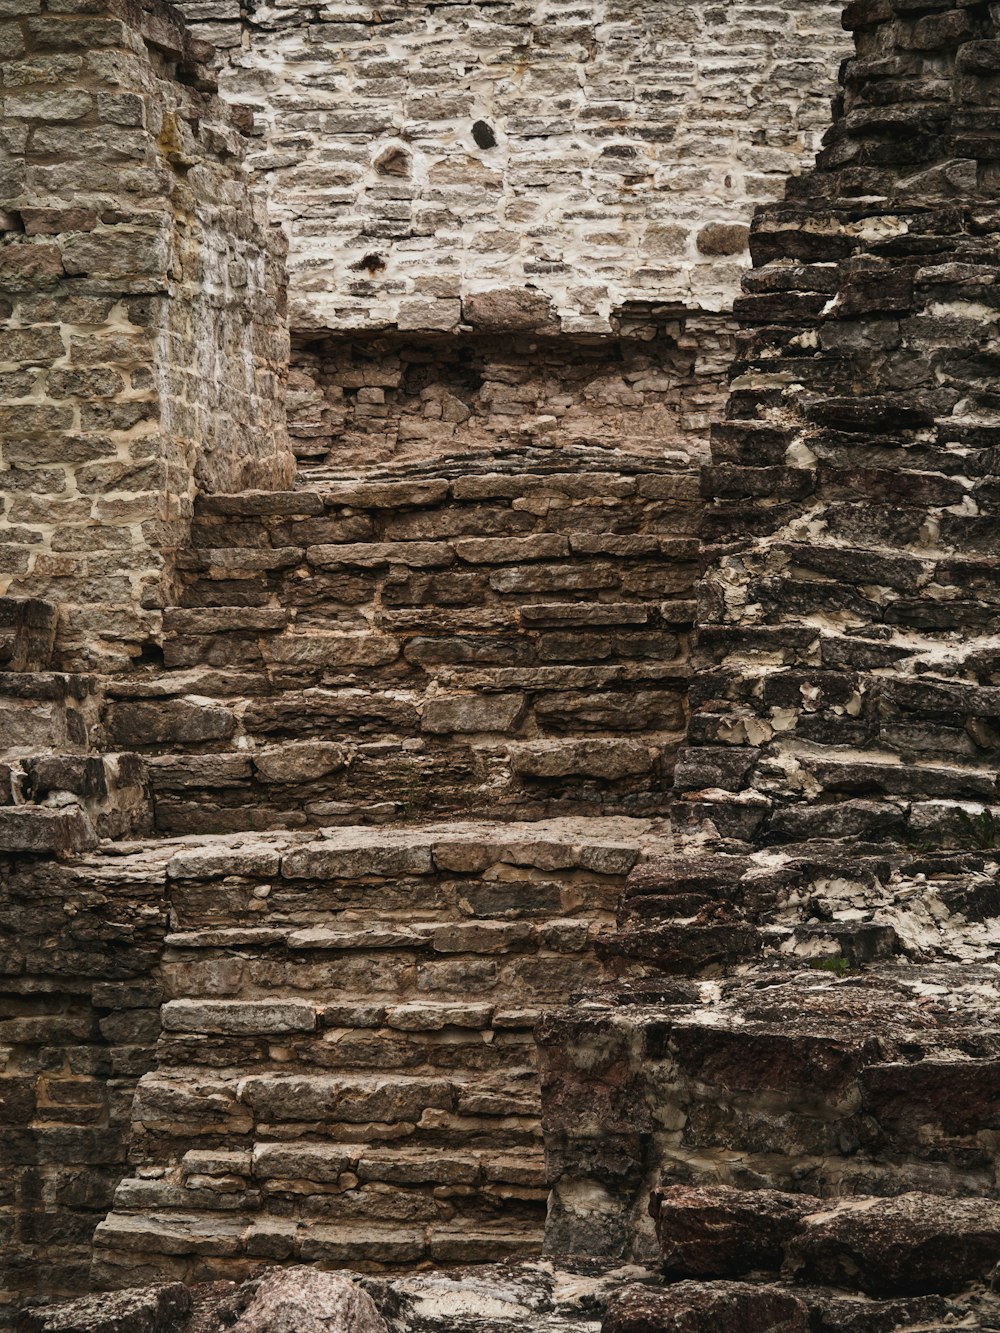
x,y
515,640
510,383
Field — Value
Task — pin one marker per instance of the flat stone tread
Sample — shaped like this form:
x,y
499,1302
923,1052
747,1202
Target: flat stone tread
x,y
489,1164
119,1227
235,1081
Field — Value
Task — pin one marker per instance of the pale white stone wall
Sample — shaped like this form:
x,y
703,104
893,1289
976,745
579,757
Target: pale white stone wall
x,y
633,138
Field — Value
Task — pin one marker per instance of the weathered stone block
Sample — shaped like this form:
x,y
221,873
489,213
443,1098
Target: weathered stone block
x,y
238,1017
39,830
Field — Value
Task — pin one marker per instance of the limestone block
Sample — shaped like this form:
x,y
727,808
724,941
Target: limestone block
x,y
302,1161
300,761
286,1100
711,1233
302,1300
331,649
598,758
238,1017
319,861
142,1310
473,713
178,720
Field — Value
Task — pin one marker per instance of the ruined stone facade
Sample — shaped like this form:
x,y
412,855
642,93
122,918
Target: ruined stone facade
x,y
435,871
144,346
839,779
581,176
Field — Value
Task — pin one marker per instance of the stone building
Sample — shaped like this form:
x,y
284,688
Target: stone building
x,y
499,697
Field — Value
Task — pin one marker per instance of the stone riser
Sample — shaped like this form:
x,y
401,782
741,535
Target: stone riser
x,y
159,1250
391,779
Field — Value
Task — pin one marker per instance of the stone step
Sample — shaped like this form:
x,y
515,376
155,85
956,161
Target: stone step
x,y
204,1245
607,846
828,904
197,1102
323,1162
399,644
460,939
359,933
509,549
438,1190
433,482
507,963
707,1307
837,774
454,727
368,1032
908,1245
359,1049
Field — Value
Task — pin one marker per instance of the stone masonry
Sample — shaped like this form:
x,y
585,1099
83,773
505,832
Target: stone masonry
x,y
144,348
426,869
801,1058
588,154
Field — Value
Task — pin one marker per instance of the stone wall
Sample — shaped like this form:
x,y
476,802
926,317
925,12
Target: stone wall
x,y
141,288
470,609
807,995
79,1023
596,153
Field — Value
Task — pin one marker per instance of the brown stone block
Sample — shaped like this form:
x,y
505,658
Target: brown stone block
x,y
591,1083
684,950
718,1307
37,829
747,1060
901,1246
17,1100
27,265
957,1098
176,720
717,1232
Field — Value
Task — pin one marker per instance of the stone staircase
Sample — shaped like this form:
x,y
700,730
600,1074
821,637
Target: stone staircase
x,y
343,1067
376,650
346,1068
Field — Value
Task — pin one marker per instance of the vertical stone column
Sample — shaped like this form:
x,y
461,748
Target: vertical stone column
x,y
141,292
